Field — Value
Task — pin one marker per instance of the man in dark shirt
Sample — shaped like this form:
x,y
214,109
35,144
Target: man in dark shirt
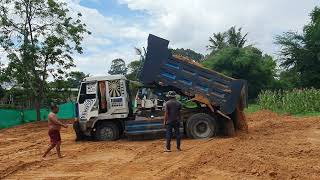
x,y
172,120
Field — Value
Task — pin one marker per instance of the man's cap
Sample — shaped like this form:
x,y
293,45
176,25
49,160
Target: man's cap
x,y
171,94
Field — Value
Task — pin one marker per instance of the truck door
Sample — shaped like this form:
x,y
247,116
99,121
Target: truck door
x,y
87,101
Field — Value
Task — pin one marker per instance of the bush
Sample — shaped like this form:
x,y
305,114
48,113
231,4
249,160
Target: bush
x,y
297,101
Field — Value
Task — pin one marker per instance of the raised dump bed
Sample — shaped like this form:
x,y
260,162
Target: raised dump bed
x,y
190,78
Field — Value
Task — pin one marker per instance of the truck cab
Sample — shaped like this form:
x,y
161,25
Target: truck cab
x,y
103,98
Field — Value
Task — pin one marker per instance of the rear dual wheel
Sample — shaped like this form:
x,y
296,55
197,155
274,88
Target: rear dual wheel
x,y
200,126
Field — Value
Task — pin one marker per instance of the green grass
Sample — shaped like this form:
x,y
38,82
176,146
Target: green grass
x,y
308,114
252,108
295,102
300,103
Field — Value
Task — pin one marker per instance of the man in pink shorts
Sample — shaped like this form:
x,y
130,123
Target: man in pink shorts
x,y
54,131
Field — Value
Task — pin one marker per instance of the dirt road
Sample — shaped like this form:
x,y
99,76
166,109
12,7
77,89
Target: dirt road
x,y
277,147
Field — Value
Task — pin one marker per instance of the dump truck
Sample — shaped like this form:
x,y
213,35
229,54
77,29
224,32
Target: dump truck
x,y
105,103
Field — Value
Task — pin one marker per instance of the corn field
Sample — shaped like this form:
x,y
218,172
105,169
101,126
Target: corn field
x,y
296,101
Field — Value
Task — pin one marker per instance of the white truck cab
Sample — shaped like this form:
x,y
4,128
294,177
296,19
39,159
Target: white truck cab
x,y
102,98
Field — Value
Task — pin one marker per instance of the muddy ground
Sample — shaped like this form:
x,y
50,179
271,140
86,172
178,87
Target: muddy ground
x,y
276,147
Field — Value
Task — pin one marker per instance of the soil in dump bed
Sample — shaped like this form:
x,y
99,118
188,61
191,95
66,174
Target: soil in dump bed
x,y
278,147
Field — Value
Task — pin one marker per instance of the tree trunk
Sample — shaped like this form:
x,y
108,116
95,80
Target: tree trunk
x,y
37,106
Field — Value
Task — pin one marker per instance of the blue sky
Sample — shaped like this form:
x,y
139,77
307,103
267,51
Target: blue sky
x,y
114,9
120,13
118,26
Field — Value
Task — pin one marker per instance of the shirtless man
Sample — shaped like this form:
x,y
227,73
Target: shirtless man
x,y
54,131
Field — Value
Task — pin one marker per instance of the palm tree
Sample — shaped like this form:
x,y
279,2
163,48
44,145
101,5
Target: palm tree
x,y
218,41
231,38
235,37
137,66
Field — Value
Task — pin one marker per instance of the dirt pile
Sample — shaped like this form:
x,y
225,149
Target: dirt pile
x,y
279,147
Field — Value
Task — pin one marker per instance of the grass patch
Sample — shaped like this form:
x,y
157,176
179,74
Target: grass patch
x,y
252,108
295,102
308,114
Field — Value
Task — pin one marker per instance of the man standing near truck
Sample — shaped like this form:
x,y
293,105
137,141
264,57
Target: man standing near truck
x,y
54,131
172,120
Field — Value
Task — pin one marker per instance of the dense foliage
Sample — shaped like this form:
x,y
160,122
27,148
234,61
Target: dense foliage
x,y
245,63
39,38
74,79
297,101
134,70
2,92
300,63
300,54
64,90
59,91
230,56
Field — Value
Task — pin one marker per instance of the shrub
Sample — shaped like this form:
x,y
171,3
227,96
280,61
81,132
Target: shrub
x,y
297,101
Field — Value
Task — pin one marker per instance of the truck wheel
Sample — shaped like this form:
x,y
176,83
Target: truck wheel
x,y
201,126
107,131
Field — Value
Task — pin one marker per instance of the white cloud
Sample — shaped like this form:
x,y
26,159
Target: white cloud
x,y
186,23
99,63
94,44
189,23
110,39
104,26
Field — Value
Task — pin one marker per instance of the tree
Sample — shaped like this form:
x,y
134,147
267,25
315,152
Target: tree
x,y
2,92
118,66
134,67
75,78
134,70
235,37
300,53
230,56
59,91
141,52
218,41
245,63
287,80
231,38
188,53
39,38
